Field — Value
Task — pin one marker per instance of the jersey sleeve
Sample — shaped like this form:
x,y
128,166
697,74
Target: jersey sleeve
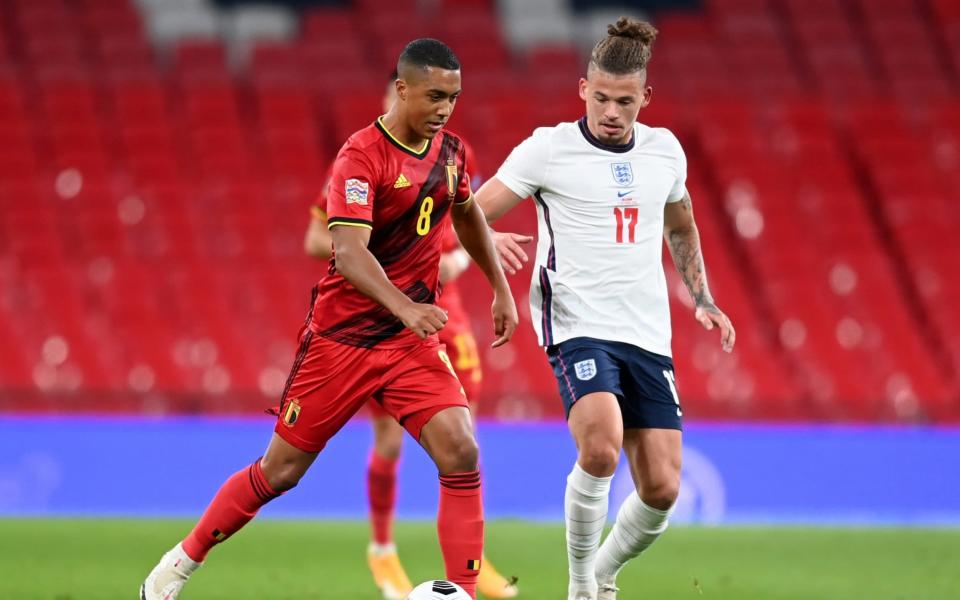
x,y
679,189
524,170
351,191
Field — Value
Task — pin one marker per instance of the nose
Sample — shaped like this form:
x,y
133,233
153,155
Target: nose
x,y
611,111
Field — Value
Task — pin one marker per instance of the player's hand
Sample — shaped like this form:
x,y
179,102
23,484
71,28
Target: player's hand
x,y
505,317
508,248
423,319
710,316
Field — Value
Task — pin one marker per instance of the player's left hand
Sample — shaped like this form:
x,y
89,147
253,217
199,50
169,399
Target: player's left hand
x,y
508,248
710,316
505,317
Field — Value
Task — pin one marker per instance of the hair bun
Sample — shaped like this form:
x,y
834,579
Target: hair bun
x,y
633,29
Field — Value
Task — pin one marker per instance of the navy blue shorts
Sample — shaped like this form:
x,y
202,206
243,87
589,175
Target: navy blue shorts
x,y
642,381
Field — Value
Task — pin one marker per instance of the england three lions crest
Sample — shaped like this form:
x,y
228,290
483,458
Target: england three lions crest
x,y
585,369
622,173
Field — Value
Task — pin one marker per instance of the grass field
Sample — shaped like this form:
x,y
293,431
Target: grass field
x,y
285,560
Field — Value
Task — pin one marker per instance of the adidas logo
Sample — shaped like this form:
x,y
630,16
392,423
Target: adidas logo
x,y
402,182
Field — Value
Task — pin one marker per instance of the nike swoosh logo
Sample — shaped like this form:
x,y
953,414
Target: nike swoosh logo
x,y
622,194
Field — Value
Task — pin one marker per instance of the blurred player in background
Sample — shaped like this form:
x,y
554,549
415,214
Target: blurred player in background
x,y
371,332
608,190
456,335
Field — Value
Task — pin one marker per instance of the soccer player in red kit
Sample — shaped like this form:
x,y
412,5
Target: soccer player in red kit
x,y
372,329
457,337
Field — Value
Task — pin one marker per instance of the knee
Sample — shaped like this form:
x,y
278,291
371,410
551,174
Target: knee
x,y
281,475
661,495
462,455
599,459
389,444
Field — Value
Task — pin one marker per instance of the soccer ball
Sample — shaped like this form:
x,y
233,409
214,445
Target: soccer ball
x,y
438,590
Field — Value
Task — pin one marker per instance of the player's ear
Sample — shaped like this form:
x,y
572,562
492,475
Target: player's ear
x,y
583,88
402,89
647,96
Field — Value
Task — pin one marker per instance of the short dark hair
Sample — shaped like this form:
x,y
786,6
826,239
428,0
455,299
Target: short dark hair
x,y
428,52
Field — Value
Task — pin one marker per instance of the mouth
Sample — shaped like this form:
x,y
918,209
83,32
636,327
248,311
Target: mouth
x,y
609,129
435,126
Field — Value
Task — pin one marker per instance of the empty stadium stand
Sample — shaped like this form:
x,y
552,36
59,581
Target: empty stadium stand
x,y
157,159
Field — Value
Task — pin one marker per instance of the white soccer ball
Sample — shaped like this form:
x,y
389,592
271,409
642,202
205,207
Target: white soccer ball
x,y
438,590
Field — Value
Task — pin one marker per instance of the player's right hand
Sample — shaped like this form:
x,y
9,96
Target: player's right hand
x,y
508,248
505,318
423,319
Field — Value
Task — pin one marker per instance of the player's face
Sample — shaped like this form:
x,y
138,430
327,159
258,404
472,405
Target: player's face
x,y
613,102
429,99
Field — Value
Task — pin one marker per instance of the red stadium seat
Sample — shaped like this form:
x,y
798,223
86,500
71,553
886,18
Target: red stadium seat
x,y
169,200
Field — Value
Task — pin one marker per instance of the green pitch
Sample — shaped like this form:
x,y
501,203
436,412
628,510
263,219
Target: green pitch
x,y
284,560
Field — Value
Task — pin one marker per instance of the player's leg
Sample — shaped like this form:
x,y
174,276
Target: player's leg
x,y
424,395
449,440
382,558
655,457
461,347
318,401
596,426
245,492
653,445
382,476
236,502
589,384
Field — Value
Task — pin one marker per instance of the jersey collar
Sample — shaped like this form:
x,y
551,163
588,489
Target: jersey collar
x,y
411,151
618,148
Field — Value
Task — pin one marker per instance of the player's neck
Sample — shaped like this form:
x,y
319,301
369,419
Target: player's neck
x,y
400,131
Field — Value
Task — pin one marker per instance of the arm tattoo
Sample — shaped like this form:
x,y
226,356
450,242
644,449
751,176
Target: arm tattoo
x,y
684,244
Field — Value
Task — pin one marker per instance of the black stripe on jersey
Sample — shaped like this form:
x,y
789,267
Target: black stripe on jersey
x,y
369,328
335,220
546,308
393,240
552,253
401,147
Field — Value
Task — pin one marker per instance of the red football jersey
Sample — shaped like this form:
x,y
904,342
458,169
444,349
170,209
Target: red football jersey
x,y
404,195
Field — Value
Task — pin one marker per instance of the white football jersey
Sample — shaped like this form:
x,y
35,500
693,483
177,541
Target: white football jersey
x,y
599,270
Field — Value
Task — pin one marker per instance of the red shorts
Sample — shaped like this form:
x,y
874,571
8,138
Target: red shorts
x,y
462,350
330,382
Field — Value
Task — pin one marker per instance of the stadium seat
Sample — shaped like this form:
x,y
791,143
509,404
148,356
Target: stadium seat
x,y
155,177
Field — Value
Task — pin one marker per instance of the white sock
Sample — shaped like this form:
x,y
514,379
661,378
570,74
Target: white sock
x,y
636,528
585,506
379,550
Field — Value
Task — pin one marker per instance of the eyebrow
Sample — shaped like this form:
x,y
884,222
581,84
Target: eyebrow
x,y
620,99
443,93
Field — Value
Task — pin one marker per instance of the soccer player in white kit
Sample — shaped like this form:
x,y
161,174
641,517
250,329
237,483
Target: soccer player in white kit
x,y
607,191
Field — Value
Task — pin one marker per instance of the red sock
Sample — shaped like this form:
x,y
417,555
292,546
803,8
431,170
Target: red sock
x,y
460,528
382,494
237,501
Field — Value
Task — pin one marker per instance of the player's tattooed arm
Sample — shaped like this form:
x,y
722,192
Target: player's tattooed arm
x,y
683,240
471,228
